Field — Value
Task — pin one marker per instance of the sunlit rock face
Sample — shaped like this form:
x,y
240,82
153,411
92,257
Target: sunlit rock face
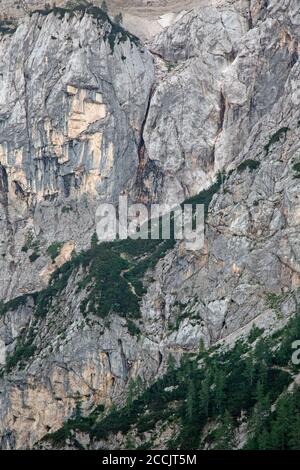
x,y
89,112
72,102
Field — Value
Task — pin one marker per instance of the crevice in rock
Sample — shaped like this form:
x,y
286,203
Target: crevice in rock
x,y
250,19
160,359
124,360
108,360
141,148
231,56
222,111
3,183
19,191
157,54
141,145
294,59
68,183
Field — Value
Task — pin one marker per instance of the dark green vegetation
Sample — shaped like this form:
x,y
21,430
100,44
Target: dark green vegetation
x,y
248,165
66,209
24,350
15,303
159,248
116,34
217,389
77,422
254,333
296,168
112,272
116,270
112,275
205,197
107,289
32,244
7,26
132,328
54,250
280,429
276,138
35,255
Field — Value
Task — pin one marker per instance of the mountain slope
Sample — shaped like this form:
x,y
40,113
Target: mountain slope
x,y
89,112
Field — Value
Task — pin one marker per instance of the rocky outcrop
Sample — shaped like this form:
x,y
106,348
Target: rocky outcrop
x,y
88,112
74,92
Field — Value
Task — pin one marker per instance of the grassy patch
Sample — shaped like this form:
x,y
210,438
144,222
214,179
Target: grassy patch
x,y
171,66
34,256
15,303
24,348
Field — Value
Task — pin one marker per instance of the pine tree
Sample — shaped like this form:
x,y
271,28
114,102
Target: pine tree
x,y
129,443
204,397
201,346
262,408
250,369
225,436
281,427
191,401
171,364
78,406
94,240
294,434
219,390
131,391
263,440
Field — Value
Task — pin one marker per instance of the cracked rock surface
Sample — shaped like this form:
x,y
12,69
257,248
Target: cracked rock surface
x,y
86,115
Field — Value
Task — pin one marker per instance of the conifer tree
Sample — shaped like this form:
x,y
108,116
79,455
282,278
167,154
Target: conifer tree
x,y
204,397
191,401
225,436
294,434
94,240
263,440
171,364
219,390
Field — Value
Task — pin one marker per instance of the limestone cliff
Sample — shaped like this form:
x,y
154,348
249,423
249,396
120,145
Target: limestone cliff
x,y
89,111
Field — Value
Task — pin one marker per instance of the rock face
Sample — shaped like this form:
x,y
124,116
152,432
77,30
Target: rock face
x,y
144,18
74,92
88,112
189,97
